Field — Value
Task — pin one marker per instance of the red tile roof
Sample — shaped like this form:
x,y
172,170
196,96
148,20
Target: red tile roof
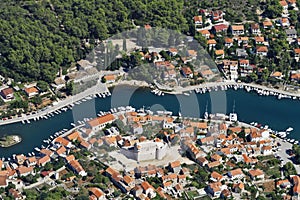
x,y
101,120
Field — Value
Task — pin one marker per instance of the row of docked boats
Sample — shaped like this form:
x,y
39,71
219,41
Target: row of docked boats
x,y
157,92
259,91
64,109
280,134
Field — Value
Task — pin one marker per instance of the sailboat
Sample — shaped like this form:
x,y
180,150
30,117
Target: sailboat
x,y
233,115
206,113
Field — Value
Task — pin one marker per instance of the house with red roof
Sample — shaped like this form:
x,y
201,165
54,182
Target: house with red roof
x,y
202,161
77,168
236,174
148,189
42,161
7,93
296,186
238,187
217,16
3,181
99,123
187,72
24,171
216,177
198,21
237,30
284,5
61,151
255,29
175,166
261,51
205,33
62,141
215,189
256,174
228,42
219,28
96,193
31,91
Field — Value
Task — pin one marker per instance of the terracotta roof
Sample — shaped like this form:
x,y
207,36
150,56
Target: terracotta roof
x,y
187,70
262,49
237,171
198,18
69,158
73,136
85,144
7,91
283,3
110,77
204,32
207,139
244,62
228,40
296,181
216,157
219,52
202,159
215,186
216,176
43,160
213,164
167,184
239,185
256,172
220,27
23,170
61,150
255,26
76,166
97,192
101,120
145,185
212,41
259,39
297,51
62,141
295,76
266,148
3,180
237,27
46,152
175,164
31,90
147,26
128,179
267,23
276,74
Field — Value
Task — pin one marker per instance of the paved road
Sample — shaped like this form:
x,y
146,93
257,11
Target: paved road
x,y
99,88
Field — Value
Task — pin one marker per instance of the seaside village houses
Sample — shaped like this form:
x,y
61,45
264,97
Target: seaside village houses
x,y
179,157
204,146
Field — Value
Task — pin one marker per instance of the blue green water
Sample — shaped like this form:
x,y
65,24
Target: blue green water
x,y
278,114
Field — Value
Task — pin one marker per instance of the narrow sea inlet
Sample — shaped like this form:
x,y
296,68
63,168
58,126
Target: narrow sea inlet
x,y
250,107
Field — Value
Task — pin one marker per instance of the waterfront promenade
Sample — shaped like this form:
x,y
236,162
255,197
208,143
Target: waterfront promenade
x,y
102,88
98,88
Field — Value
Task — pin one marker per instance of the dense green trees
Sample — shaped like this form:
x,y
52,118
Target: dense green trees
x,y
39,37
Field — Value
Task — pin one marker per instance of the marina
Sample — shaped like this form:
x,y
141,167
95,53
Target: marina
x,y
250,107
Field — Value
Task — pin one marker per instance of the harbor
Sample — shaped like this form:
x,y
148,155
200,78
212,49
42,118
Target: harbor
x,y
278,114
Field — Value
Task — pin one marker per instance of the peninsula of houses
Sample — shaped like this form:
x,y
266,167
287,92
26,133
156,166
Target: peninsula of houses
x,y
142,155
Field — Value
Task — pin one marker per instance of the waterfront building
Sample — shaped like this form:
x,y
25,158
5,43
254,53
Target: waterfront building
x,y
99,123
